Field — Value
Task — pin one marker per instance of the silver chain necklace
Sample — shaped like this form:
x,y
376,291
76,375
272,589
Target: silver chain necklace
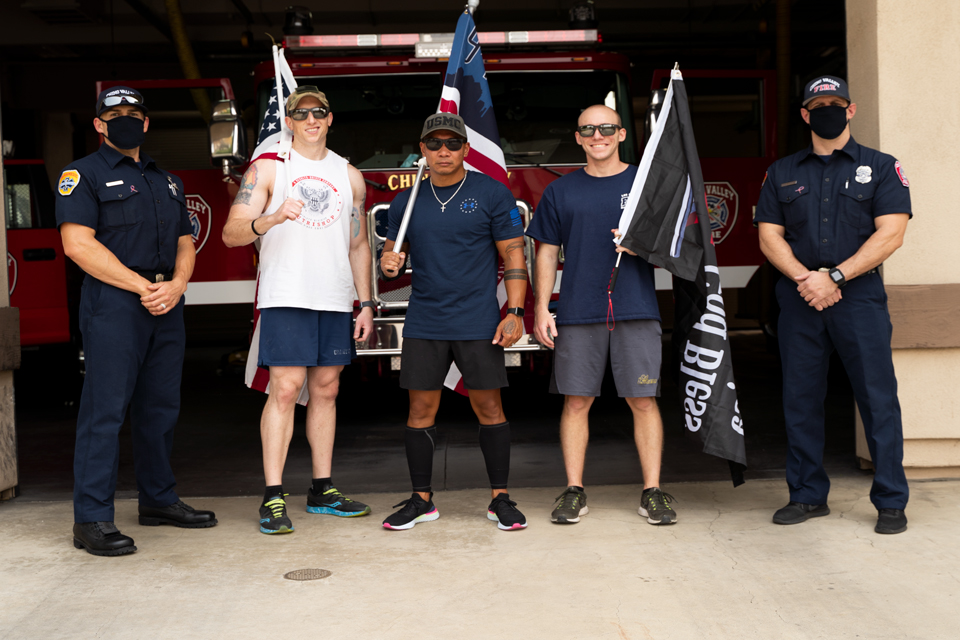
x,y
443,205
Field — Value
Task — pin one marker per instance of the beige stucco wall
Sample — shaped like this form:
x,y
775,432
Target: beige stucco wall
x,y
8,439
904,75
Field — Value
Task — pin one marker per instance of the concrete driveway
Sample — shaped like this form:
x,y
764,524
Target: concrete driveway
x,y
724,571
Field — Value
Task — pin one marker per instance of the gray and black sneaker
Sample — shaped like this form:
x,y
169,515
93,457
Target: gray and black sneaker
x,y
655,506
571,504
334,503
273,516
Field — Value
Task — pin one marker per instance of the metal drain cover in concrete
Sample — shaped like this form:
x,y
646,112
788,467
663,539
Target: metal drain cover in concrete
x,y
307,574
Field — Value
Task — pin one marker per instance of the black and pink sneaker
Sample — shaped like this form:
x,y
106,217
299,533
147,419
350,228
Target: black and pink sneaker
x,y
415,510
504,512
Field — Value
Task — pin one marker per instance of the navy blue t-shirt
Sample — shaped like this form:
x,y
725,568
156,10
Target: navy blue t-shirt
x,y
454,254
578,211
828,209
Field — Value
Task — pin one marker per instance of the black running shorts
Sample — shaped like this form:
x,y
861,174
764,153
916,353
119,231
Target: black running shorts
x,y
425,364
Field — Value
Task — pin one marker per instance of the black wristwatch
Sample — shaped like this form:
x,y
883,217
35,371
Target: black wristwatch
x,y
368,303
837,276
517,311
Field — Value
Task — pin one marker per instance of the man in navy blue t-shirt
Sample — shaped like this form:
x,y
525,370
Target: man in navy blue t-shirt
x,y
578,212
461,222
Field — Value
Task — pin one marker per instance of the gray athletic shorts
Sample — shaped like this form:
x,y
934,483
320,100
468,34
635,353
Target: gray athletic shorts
x,y
581,351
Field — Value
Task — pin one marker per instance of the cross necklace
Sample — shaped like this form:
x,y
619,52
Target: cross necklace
x,y
443,205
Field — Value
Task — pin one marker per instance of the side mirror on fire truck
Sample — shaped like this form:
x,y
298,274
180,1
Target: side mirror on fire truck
x,y
228,136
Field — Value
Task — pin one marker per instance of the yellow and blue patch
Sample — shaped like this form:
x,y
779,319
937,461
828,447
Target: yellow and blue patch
x,y
68,182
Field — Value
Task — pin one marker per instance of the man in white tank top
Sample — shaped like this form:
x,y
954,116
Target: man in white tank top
x,y
308,212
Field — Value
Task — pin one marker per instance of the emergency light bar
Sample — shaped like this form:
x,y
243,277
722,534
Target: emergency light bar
x,y
439,45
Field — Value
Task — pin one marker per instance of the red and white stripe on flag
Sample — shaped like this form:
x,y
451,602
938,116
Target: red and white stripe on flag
x,y
273,137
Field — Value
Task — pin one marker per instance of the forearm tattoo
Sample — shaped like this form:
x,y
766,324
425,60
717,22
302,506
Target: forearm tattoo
x,y
514,246
247,186
515,274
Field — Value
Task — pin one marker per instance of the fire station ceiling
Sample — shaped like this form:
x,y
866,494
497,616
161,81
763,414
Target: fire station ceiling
x,y
731,32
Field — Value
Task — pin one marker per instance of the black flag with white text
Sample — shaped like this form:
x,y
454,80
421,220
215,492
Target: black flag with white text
x,y
665,222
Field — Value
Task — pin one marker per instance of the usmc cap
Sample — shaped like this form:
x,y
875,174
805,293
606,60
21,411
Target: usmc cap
x,y
444,122
825,86
115,96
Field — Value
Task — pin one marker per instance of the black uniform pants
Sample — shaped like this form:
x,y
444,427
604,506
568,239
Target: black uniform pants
x,y
859,328
134,360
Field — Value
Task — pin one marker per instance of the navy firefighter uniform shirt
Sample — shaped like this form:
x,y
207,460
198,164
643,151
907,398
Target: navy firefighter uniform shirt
x,y
828,205
138,213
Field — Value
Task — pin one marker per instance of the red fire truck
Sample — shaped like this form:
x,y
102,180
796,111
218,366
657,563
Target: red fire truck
x,y
36,267
382,86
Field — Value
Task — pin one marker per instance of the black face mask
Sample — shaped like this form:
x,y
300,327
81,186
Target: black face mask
x,y
126,132
828,122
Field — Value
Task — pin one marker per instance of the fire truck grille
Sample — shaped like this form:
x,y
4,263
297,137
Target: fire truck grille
x,y
397,295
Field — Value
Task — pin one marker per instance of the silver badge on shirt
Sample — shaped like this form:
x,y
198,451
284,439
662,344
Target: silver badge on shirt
x,y
864,174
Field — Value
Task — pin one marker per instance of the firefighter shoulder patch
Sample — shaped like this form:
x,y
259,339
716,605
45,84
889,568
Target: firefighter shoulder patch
x,y
903,178
68,181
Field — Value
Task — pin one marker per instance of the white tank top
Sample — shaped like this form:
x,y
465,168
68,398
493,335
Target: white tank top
x,y
305,263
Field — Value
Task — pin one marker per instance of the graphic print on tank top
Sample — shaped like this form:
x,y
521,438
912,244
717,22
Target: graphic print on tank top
x,y
322,202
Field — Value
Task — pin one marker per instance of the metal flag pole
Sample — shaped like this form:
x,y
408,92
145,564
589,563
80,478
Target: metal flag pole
x,y
613,276
414,190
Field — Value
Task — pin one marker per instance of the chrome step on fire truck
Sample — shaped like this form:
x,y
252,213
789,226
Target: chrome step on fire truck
x,y
380,88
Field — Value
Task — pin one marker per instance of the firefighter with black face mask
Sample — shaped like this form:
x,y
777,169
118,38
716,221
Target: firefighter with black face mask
x,y
829,216
124,221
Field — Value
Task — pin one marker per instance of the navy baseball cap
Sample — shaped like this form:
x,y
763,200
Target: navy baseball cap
x,y
825,86
114,96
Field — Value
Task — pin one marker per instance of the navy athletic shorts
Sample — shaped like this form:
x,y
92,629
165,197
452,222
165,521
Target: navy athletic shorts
x,y
292,337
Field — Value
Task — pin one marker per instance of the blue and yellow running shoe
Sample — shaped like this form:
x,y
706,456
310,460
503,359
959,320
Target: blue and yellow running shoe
x,y
334,503
273,516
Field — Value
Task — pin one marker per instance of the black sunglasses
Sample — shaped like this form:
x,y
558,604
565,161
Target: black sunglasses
x,y
301,114
434,144
588,130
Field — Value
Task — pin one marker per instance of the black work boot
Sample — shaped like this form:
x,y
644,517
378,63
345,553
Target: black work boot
x,y
101,539
178,514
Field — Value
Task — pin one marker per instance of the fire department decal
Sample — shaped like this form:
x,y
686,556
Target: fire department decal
x,y
199,212
11,272
322,203
68,182
723,202
903,178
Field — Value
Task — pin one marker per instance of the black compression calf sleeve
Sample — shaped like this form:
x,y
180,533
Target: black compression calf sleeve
x,y
495,444
420,445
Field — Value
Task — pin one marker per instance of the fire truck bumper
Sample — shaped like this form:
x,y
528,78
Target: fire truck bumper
x,y
387,340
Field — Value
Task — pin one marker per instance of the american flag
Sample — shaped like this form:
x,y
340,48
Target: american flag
x,y
274,137
273,126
